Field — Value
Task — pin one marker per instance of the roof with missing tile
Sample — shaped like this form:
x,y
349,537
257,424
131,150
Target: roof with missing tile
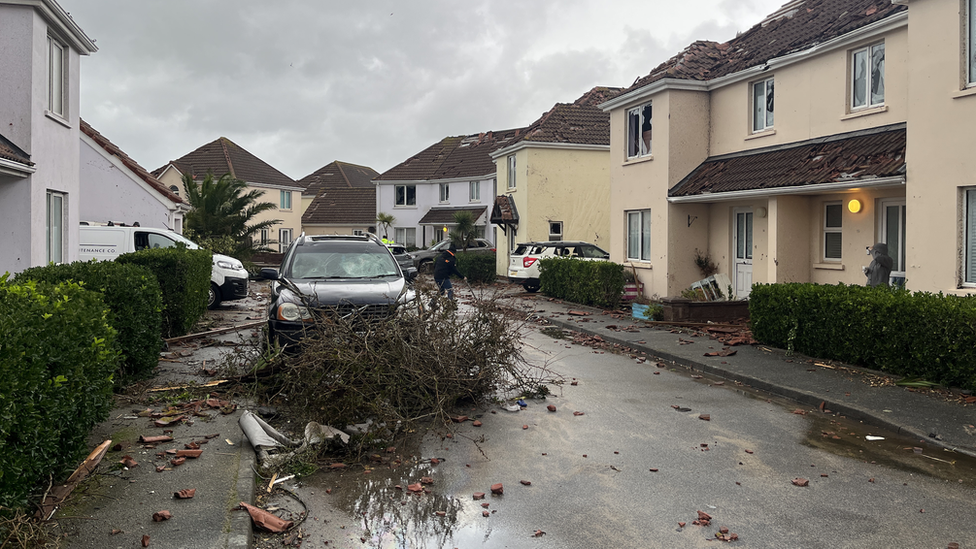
x,y
441,216
132,165
581,122
796,26
223,156
855,156
338,174
453,157
9,151
342,206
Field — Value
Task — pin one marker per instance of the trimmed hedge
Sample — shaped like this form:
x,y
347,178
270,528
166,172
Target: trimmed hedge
x,y
56,363
477,267
135,302
597,283
184,279
919,334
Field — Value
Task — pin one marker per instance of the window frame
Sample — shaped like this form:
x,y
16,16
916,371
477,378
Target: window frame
x,y
869,78
969,238
640,119
283,240
444,192
55,227
56,74
284,200
832,230
767,114
970,37
555,235
406,236
643,240
474,191
404,201
512,165
265,236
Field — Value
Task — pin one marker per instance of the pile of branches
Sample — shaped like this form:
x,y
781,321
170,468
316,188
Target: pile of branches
x,y
419,364
20,531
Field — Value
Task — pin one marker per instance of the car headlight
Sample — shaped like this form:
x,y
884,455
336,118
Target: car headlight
x,y
293,313
230,266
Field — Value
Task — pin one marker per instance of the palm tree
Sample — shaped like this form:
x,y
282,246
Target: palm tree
x,y
386,221
222,214
464,233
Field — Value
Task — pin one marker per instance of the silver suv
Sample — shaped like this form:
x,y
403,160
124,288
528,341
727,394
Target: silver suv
x,y
523,264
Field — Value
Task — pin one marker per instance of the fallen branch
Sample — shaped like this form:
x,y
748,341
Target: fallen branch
x,y
57,495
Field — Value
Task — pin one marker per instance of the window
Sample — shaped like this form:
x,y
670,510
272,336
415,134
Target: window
x,y
639,235
474,191
55,227
971,41
55,76
405,195
358,232
867,76
970,267
833,241
639,131
285,203
892,223
284,239
511,171
762,105
406,236
445,192
265,236
555,230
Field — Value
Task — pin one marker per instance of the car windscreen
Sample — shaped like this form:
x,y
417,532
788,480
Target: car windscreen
x,y
340,260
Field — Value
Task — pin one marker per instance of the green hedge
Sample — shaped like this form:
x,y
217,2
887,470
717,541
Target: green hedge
x,y
134,300
57,358
477,267
597,283
919,334
184,278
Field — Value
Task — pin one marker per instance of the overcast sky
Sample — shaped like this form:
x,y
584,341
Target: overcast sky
x,y
300,83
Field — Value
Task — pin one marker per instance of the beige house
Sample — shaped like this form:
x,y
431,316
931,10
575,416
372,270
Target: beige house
x,y
554,179
793,186
223,156
339,198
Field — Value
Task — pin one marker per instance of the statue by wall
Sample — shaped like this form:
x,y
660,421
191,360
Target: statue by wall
x,y
879,270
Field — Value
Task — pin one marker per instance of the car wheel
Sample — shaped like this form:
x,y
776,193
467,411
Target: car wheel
x,y
213,300
531,287
425,267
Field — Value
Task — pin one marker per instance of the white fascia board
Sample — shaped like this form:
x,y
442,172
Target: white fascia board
x,y
547,145
114,160
434,181
820,188
640,94
66,26
273,186
16,169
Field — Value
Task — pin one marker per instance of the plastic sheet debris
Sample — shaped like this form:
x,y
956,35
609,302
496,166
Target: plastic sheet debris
x,y
872,437
265,438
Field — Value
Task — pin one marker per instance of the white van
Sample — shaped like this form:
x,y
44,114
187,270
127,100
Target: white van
x,y
228,280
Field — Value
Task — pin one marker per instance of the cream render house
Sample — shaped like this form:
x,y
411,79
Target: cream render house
x,y
784,153
554,179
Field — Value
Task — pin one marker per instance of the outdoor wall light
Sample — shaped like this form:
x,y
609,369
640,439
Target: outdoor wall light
x,y
854,205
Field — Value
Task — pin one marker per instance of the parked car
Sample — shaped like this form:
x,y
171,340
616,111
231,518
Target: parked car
x,y
423,260
523,265
228,278
334,274
402,256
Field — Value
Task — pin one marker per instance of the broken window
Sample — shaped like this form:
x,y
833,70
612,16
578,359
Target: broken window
x,y
762,105
555,230
639,235
405,195
867,76
833,241
639,131
445,192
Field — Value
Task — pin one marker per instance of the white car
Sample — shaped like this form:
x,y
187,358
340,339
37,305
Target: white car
x,y
523,265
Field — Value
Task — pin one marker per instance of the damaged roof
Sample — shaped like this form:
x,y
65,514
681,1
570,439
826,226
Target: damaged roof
x,y
796,26
855,156
581,122
342,205
338,174
9,151
453,157
223,156
132,165
441,216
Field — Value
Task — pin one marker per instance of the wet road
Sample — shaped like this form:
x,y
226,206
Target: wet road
x,y
632,467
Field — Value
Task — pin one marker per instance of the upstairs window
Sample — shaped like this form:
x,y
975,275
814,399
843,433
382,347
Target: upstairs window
x,y
445,192
55,76
867,76
833,241
639,131
474,191
762,105
405,195
511,171
971,41
555,230
285,200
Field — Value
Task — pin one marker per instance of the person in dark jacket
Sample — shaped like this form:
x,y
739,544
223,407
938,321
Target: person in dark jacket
x,y
880,268
444,266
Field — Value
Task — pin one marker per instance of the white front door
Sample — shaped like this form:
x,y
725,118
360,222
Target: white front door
x,y
742,244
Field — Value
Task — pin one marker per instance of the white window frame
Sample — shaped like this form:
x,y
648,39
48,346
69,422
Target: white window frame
x,y
474,191
897,251
555,230
762,108
638,231
56,232
639,131
284,239
56,77
406,236
837,230
511,172
265,236
970,24
969,253
445,193
285,200
867,54
404,201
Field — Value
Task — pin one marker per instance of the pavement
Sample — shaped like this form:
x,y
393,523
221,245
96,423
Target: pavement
x,y
124,499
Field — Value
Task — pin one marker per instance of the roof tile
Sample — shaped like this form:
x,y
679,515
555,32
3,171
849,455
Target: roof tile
x,y
223,156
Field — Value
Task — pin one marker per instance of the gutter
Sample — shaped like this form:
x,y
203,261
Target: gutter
x,y
818,188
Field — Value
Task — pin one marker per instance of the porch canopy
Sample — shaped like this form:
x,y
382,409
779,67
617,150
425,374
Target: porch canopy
x,y
445,216
871,158
504,213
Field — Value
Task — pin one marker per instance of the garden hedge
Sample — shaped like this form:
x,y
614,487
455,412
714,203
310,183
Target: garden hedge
x,y
923,335
184,279
477,267
597,283
135,302
57,358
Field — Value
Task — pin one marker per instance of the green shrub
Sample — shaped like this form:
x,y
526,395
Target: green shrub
x,y
477,267
597,283
135,304
56,363
184,279
910,334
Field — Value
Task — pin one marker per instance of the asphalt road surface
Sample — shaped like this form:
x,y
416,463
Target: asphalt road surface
x,y
639,462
